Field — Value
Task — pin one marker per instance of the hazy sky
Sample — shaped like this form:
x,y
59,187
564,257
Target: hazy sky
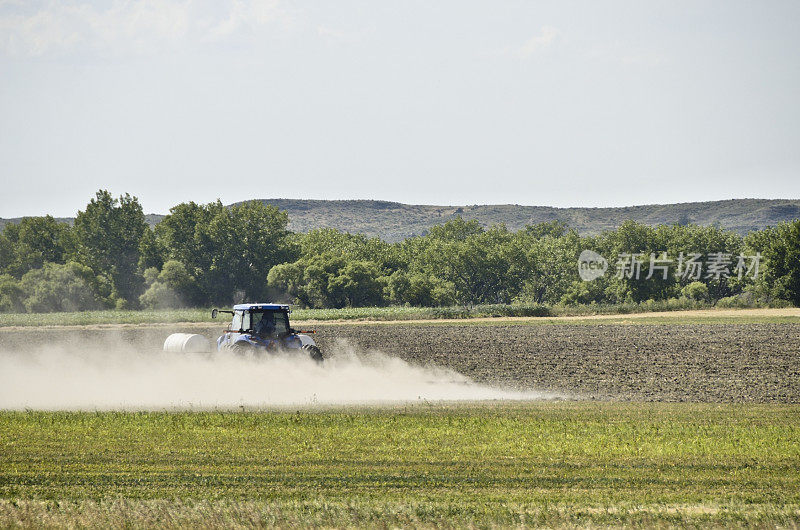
x,y
541,103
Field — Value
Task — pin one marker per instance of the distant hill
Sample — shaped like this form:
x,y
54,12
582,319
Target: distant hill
x,y
394,221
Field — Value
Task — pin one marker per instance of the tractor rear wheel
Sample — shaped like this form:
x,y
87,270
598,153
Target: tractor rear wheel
x,y
313,352
242,348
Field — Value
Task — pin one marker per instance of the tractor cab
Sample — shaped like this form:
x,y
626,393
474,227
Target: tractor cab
x,y
267,321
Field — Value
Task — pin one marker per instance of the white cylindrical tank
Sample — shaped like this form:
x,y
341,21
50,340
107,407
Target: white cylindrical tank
x,y
187,343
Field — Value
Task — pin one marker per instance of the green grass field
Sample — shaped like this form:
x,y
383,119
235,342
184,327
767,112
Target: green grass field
x,y
545,463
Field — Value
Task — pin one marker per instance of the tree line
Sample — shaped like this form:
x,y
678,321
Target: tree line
x,y
209,254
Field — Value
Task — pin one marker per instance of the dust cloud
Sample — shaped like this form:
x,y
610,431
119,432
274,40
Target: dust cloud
x,y
121,378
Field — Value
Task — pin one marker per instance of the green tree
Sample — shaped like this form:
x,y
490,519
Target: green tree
x,y
6,251
318,271
455,230
550,265
420,290
329,280
227,251
705,241
781,248
632,243
358,284
245,242
287,282
183,235
553,229
107,237
175,276
33,242
151,251
483,266
356,247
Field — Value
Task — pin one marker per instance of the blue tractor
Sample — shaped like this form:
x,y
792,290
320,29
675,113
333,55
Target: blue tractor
x,y
257,328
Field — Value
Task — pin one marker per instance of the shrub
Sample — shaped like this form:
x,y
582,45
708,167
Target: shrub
x,y
733,302
172,288
57,287
159,296
419,290
696,291
10,294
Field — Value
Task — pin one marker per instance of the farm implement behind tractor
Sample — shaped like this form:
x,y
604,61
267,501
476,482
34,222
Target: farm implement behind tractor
x,y
254,329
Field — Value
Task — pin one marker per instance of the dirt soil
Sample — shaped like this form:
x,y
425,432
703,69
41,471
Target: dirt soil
x,y
664,362
705,362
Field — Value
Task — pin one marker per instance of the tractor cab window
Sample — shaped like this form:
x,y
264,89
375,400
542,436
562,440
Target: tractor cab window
x,y
270,323
236,325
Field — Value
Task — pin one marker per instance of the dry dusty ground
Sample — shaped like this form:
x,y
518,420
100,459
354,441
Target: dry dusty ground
x,y
664,362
